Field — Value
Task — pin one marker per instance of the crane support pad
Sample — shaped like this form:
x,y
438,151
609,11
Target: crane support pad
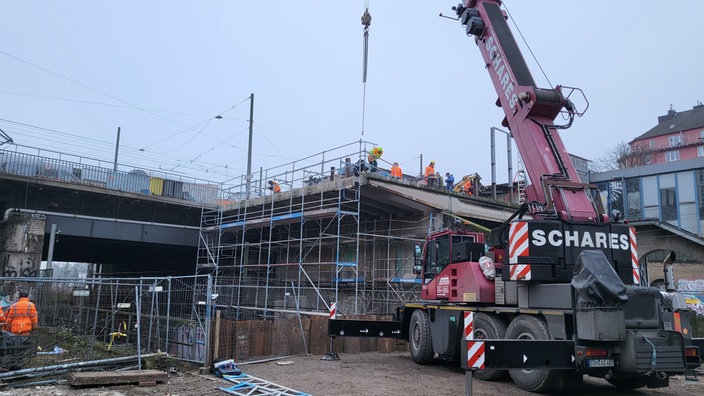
x,y
522,354
364,328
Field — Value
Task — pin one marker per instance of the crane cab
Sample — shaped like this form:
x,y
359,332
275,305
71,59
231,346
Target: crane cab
x,y
449,268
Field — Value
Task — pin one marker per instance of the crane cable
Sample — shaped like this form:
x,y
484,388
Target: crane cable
x,y
520,33
366,21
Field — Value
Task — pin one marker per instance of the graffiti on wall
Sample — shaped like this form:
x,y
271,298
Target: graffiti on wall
x,y
20,265
22,244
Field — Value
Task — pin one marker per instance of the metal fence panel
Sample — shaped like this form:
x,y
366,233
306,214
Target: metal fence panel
x,y
91,317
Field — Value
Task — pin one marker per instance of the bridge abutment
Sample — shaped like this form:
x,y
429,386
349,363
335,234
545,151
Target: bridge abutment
x,y
22,243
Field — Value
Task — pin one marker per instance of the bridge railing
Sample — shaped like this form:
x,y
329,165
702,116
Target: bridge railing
x,y
89,172
325,165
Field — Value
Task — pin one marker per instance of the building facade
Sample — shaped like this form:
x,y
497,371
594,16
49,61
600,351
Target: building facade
x,y
677,136
672,192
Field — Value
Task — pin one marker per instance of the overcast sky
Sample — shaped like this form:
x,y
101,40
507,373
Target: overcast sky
x,y
74,71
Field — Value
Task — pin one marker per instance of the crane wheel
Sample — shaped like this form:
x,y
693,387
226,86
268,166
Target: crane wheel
x,y
489,327
421,342
528,327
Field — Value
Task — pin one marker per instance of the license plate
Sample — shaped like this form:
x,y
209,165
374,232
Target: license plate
x,y
600,362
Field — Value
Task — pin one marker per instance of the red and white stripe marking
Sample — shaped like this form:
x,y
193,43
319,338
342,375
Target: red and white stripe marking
x,y
468,325
518,246
333,310
475,354
475,349
634,256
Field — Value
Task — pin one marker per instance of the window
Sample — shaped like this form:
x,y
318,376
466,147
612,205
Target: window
x,y
675,140
700,151
651,144
615,197
672,155
633,199
668,204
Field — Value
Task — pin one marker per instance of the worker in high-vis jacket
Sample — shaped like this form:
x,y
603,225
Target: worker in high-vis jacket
x,y
2,319
373,158
21,318
396,172
274,186
430,174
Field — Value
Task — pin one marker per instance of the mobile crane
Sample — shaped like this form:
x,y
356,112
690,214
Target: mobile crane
x,y
564,295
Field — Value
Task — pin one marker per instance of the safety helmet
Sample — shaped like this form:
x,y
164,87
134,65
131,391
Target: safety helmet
x,y
432,162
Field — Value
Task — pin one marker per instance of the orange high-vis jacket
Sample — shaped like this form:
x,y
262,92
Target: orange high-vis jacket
x,y
468,187
22,317
429,171
396,171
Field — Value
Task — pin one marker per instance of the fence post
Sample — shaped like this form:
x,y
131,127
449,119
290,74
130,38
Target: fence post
x,y
138,303
95,317
208,312
168,315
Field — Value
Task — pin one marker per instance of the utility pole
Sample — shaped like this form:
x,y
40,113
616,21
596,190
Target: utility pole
x,y
117,147
249,149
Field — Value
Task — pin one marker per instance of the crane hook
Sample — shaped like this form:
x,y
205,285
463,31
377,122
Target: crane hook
x,y
366,19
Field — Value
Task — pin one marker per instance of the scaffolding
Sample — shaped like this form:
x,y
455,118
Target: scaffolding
x,y
312,243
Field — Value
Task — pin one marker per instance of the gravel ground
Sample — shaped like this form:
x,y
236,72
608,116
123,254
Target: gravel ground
x,y
354,374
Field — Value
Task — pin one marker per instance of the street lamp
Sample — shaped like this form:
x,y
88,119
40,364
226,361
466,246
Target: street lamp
x,y
493,162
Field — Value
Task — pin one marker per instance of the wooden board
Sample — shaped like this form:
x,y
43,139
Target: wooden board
x,y
319,343
116,377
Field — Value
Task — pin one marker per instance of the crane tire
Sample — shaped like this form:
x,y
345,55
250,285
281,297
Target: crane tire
x,y
421,342
529,327
487,326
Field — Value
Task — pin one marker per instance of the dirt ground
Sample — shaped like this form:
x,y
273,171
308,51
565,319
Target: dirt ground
x,y
370,373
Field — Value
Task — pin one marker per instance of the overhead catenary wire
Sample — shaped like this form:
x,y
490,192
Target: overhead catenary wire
x,y
67,143
130,105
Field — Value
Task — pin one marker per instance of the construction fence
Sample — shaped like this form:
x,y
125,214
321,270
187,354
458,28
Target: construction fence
x,y
97,318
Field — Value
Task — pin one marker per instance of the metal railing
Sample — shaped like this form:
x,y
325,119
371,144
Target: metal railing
x,y
88,172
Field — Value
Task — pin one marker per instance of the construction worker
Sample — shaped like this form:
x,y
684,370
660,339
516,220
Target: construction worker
x,y
468,187
373,157
396,172
450,181
274,186
2,318
438,180
430,174
22,316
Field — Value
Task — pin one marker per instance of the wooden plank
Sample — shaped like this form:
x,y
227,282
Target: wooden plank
x,y
281,337
243,340
318,336
116,377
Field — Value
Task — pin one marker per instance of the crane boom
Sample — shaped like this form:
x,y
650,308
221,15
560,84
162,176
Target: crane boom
x,y
530,114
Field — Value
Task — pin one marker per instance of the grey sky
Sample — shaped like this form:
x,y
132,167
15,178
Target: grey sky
x,y
155,68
